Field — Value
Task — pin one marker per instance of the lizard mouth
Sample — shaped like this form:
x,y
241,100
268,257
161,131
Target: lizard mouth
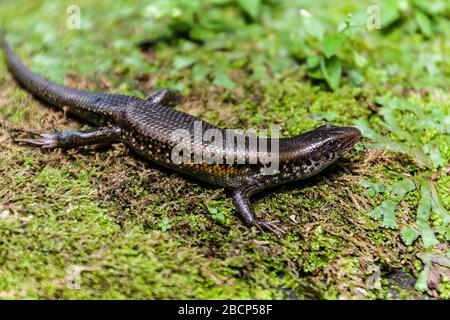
x,y
352,138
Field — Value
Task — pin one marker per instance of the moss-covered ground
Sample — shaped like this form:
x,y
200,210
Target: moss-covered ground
x,y
101,222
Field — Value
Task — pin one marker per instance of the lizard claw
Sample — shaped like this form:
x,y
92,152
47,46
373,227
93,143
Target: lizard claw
x,y
46,140
272,226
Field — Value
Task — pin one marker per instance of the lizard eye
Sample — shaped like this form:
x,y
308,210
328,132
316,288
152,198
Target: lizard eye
x,y
334,144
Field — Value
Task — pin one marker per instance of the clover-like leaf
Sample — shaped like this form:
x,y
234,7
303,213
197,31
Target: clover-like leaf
x,y
331,44
424,23
164,225
222,79
314,27
401,188
372,187
438,208
251,7
424,209
410,235
386,210
428,238
331,70
182,62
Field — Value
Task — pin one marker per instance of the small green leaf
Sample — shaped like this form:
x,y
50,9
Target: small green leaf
x,y
366,129
428,237
438,208
360,60
389,220
424,209
164,225
315,74
410,235
422,280
389,13
386,210
327,116
377,213
201,34
391,122
424,23
219,217
435,155
312,61
212,210
331,70
358,20
181,62
382,142
216,214
356,78
331,44
372,187
314,27
251,7
221,79
199,72
401,188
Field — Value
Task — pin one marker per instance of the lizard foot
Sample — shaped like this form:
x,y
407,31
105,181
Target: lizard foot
x,y
272,226
45,140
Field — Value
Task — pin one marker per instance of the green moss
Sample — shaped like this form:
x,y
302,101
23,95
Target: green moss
x,y
101,223
322,249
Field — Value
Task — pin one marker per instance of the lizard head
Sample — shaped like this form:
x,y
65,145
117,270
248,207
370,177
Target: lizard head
x,y
315,150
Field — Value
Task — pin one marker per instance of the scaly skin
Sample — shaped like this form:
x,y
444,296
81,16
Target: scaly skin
x,y
151,127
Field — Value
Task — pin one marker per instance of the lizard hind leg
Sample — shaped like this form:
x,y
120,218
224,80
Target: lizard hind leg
x,y
241,199
72,138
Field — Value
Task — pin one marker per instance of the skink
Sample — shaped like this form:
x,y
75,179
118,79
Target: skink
x,y
154,129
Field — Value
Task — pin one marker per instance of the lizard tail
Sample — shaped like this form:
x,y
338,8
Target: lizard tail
x,y
46,90
81,103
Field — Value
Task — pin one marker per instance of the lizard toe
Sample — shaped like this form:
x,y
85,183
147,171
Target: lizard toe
x,y
272,226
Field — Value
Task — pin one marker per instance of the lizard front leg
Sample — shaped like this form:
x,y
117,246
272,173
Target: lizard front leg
x,y
166,97
72,138
241,199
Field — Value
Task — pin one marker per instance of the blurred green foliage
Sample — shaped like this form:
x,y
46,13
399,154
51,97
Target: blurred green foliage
x,y
296,64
